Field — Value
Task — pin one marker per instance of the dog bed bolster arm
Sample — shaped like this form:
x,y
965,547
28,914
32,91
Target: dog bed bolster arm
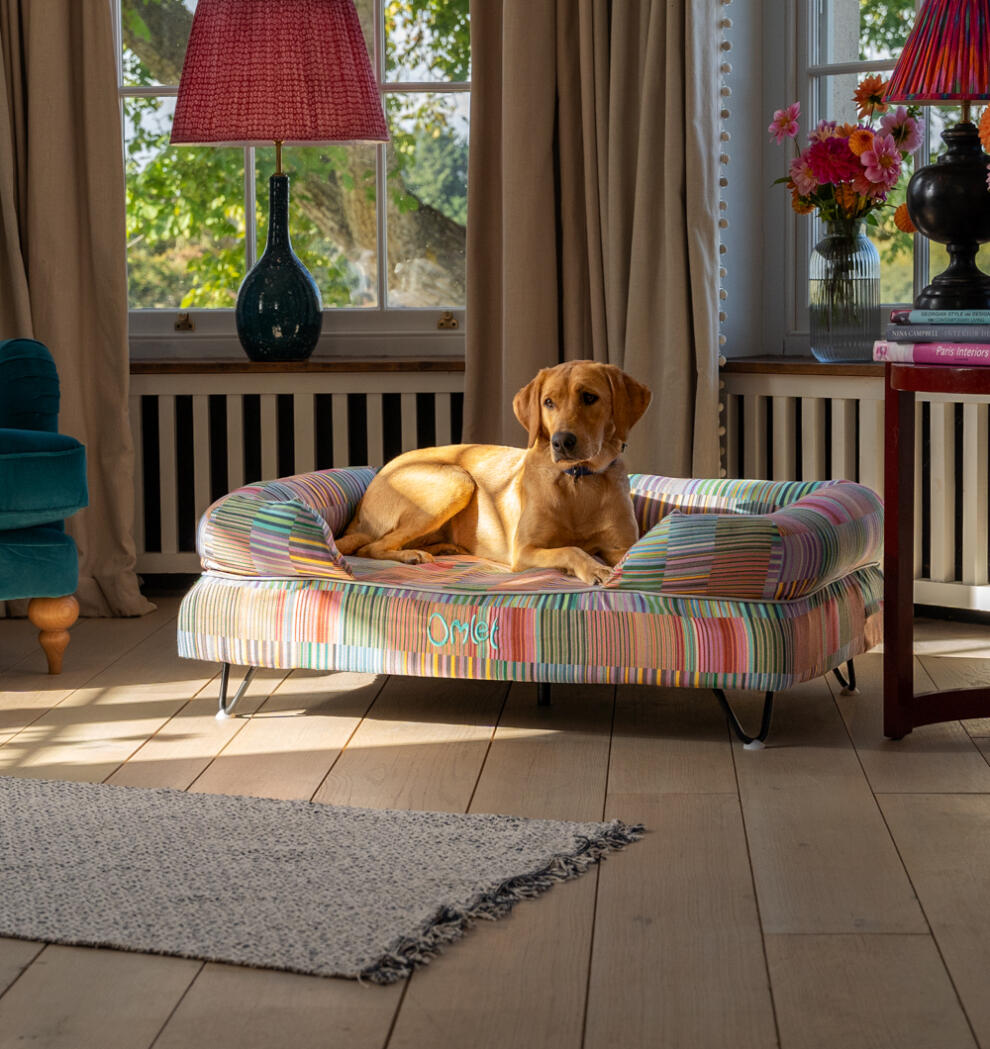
x,y
823,535
283,528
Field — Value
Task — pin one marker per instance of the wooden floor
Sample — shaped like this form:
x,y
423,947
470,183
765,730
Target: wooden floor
x,y
829,891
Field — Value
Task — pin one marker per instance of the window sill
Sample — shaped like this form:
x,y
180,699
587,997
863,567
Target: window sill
x,y
218,366
771,365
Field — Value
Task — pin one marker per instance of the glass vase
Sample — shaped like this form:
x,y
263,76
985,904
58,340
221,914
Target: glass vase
x,y
844,294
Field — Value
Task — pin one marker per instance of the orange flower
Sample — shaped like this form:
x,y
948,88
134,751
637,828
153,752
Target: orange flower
x,y
848,199
985,128
860,141
902,220
845,130
800,204
868,96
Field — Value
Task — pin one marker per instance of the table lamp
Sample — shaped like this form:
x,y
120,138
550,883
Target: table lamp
x,y
282,71
946,58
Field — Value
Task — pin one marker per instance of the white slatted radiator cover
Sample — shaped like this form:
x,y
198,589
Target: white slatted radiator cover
x,y
197,436
814,427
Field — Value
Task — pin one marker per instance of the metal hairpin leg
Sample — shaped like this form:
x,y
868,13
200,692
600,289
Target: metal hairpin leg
x,y
225,707
848,686
749,742
543,693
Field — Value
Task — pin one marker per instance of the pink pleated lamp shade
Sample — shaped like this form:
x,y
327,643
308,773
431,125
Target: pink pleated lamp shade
x,y
263,71
946,56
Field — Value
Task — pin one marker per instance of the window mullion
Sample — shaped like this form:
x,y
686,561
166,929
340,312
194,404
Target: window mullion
x,y
381,165
250,211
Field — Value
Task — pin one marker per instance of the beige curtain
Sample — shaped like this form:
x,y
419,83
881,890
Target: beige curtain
x,y
62,259
592,224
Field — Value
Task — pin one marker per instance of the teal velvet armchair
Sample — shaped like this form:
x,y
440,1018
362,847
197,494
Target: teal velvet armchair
x,y
42,482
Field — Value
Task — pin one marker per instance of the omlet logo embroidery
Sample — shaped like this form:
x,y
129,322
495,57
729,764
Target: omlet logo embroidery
x,y
439,632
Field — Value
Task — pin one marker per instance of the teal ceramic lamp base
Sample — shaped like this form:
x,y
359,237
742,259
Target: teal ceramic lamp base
x,y
279,313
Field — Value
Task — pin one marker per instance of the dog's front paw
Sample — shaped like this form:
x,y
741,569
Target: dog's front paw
x,y
594,574
412,557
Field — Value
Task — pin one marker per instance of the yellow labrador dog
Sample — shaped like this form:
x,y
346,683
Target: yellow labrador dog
x,y
562,502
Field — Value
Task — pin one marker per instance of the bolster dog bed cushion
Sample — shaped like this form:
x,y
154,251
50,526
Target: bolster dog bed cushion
x,y
748,584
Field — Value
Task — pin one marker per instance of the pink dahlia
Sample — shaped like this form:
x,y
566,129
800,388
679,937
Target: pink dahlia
x,y
826,129
882,163
785,123
875,192
902,128
832,160
802,176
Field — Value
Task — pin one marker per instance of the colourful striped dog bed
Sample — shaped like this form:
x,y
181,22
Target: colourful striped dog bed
x,y
733,584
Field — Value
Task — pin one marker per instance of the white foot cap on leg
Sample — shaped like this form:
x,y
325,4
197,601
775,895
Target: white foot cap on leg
x,y
222,715
754,744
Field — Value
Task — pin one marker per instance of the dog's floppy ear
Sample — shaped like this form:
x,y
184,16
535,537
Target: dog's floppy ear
x,y
629,400
526,404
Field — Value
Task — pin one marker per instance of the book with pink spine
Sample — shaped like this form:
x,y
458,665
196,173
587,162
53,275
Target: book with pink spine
x,y
972,353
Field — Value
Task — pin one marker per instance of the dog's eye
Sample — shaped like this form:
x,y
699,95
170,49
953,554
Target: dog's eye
x,y
547,403
589,398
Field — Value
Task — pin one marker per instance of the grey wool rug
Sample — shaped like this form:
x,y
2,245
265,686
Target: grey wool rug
x,y
303,887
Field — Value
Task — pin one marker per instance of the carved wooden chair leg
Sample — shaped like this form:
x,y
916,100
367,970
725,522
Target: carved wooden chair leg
x,y
53,616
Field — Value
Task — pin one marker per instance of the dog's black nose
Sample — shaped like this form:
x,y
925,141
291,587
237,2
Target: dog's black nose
x,y
564,442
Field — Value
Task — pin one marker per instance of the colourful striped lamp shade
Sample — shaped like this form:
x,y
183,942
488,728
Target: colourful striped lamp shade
x,y
262,71
946,56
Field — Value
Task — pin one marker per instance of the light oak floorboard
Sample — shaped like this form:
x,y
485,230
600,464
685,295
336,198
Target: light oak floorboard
x,y
670,741
97,728
233,1008
286,748
421,746
931,759
27,690
962,650
78,998
822,858
186,744
864,992
944,840
675,951
958,671
15,957
284,751
678,956
18,638
521,981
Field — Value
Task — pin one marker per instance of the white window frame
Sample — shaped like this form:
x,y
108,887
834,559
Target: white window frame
x,y
370,331
767,244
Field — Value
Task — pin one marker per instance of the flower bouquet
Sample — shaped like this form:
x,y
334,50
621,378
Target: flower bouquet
x,y
846,173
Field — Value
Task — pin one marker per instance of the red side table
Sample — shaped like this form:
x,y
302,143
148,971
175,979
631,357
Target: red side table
x,y
902,709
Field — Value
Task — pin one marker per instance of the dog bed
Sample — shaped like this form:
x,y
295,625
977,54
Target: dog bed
x,y
733,584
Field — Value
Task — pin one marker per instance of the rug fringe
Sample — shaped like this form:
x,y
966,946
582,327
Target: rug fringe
x,y
450,924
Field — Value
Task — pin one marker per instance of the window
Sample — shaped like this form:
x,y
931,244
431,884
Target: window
x,y
813,51
380,227
850,39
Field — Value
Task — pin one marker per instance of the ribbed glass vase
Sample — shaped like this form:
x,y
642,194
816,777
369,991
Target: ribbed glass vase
x,y
844,294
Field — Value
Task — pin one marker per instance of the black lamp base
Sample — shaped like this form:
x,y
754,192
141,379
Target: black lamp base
x,y
279,313
949,202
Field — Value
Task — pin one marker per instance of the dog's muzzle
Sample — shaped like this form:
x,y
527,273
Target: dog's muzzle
x,y
563,445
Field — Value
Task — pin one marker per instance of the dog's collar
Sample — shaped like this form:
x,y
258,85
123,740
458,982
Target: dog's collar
x,y
584,471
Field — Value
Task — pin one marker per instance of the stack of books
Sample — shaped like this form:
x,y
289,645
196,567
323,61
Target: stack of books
x,y
936,337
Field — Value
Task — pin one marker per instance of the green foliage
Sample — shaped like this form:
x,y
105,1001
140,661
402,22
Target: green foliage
x,y
884,26
185,205
428,40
